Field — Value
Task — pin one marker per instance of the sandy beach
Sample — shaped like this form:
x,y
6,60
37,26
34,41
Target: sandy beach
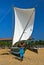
x,y
30,58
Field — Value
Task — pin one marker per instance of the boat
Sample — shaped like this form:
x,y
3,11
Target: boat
x,y
24,23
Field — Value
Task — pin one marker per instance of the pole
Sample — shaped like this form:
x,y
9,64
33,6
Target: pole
x,y
12,23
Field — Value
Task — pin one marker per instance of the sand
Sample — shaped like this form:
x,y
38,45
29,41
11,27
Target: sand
x,y
30,58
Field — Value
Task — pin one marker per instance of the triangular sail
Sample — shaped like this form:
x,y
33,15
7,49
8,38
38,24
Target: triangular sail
x,y
24,22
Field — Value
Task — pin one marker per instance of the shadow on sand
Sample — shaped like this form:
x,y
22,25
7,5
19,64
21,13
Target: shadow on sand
x,y
5,53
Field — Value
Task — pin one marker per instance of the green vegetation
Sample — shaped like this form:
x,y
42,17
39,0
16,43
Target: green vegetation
x,y
4,44
31,43
40,42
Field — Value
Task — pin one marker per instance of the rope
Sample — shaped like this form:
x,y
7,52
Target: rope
x,y
5,15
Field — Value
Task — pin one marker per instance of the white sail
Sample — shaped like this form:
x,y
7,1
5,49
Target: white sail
x,y
24,22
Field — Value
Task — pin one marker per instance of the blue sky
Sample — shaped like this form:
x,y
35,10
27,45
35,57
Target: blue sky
x,y
6,17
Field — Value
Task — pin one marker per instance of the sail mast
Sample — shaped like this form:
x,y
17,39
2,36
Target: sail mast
x,y
12,22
